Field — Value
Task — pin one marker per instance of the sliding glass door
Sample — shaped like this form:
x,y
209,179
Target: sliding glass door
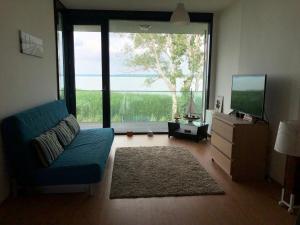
x,y
88,75
155,67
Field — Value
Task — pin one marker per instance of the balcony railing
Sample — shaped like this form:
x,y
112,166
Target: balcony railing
x,y
138,111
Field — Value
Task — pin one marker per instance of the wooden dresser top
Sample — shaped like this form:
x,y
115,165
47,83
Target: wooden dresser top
x,y
231,119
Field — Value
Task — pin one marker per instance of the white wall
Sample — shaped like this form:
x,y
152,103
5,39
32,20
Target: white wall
x,y
263,36
25,81
228,51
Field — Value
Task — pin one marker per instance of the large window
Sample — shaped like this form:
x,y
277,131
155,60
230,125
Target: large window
x,y
154,68
130,74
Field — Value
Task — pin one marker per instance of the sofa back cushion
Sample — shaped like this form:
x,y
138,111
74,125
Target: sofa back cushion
x,y
48,147
18,131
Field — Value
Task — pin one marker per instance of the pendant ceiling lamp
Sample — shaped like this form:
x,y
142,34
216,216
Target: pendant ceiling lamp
x,y
180,16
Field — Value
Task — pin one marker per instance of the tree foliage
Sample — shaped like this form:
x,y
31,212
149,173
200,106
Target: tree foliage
x,y
171,57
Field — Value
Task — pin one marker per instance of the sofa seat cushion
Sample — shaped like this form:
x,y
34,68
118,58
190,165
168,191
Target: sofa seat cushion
x,y
82,162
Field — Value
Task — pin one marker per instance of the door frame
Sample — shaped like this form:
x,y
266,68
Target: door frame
x,y
102,17
70,67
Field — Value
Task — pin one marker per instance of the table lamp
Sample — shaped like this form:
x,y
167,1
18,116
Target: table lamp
x,y
288,143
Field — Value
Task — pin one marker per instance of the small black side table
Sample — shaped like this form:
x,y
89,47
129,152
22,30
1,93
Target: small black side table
x,y
198,131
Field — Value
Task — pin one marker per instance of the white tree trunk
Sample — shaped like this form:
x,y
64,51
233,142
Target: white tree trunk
x,y
172,87
174,104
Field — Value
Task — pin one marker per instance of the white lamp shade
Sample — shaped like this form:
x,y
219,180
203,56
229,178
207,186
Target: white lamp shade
x,y
288,138
180,16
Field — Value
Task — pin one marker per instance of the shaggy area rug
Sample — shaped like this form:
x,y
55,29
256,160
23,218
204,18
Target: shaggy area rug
x,y
159,171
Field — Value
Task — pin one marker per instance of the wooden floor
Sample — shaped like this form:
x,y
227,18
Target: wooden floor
x,y
243,203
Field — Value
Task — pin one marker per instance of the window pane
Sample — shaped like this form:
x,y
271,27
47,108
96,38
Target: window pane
x,y
88,75
154,67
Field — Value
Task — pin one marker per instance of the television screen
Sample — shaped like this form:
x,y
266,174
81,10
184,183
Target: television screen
x,y
248,94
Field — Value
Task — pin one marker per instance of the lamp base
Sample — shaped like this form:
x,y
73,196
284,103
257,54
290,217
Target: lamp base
x,y
291,204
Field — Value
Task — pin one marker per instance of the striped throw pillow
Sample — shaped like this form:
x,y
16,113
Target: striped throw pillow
x,y
48,147
73,124
64,134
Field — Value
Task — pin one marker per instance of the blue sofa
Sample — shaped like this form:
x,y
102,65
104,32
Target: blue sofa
x,y
82,162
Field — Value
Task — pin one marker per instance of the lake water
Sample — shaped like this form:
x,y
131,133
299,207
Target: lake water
x,y
124,83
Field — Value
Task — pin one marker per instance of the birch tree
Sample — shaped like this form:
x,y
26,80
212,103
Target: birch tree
x,y
171,57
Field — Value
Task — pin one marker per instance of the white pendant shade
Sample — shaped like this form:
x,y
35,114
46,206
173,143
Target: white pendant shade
x,y
288,138
180,16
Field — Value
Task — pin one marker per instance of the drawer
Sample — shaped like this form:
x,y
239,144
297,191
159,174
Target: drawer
x,y
221,160
222,144
223,129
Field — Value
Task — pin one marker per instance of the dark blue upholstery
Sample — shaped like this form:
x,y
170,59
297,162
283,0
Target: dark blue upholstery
x,y
82,162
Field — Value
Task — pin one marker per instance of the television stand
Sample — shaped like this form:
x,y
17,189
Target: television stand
x,y
239,147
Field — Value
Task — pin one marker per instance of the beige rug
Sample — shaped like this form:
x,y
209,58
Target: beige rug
x,y
159,171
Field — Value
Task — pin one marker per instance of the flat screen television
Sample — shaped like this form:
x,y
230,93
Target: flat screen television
x,y
248,94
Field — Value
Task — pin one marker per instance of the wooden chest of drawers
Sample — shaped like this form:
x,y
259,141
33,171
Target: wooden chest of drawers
x,y
239,147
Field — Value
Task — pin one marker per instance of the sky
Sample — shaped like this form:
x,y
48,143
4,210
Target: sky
x,y
87,50
87,47
88,53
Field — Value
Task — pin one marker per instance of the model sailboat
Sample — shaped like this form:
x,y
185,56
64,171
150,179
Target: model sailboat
x,y
191,113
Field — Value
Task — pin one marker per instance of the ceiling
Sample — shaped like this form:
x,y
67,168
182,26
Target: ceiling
x,y
123,26
156,27
148,5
